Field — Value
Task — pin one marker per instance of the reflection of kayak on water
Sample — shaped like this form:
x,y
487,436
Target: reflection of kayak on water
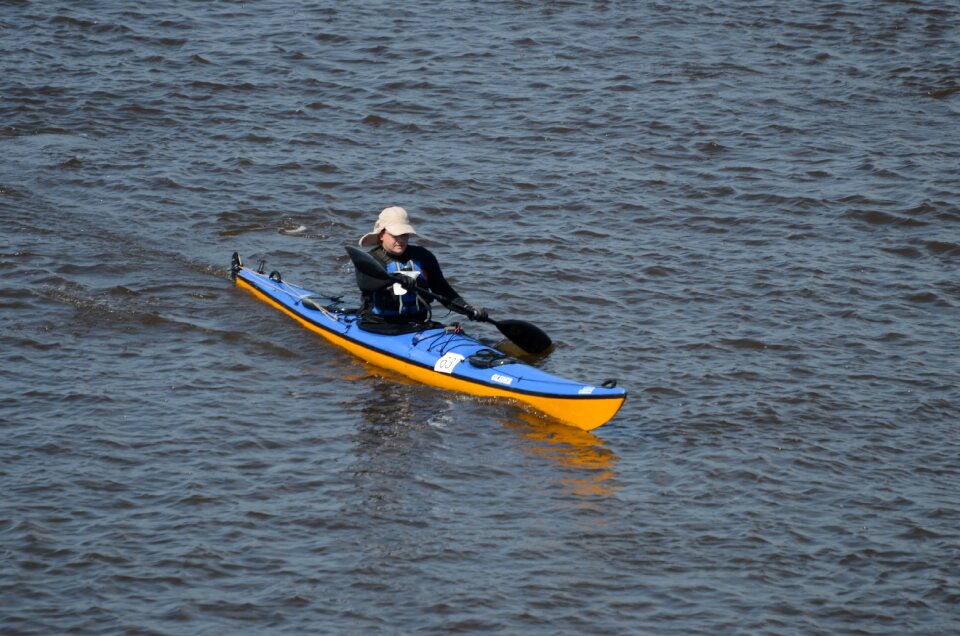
x,y
443,357
570,447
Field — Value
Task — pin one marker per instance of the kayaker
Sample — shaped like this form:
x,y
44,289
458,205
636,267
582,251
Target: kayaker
x,y
398,308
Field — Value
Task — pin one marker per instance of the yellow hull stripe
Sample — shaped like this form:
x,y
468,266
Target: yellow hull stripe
x,y
586,412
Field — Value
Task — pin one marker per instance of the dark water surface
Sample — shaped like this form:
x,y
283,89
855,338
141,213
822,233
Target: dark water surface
x,y
748,213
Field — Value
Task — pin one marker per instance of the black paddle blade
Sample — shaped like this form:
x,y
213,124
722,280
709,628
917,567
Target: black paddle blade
x,y
525,335
371,274
367,264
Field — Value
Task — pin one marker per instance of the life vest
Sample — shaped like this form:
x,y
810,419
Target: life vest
x,y
395,301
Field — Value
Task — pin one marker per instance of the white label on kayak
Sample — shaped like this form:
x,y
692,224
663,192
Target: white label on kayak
x,y
502,379
587,390
448,362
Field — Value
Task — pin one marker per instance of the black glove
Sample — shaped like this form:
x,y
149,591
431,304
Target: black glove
x,y
476,313
407,282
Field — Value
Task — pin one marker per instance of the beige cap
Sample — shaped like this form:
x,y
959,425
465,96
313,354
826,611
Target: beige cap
x,y
393,220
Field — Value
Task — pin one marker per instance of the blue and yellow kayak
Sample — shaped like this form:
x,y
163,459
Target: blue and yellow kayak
x,y
441,357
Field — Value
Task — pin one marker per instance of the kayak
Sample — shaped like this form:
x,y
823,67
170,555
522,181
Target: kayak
x,y
443,357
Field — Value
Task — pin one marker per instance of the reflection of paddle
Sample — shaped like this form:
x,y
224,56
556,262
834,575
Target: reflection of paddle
x,y
373,276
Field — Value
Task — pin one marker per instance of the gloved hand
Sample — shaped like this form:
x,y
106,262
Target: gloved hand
x,y
407,282
476,313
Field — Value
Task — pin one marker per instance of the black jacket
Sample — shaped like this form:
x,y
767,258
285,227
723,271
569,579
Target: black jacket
x,y
385,306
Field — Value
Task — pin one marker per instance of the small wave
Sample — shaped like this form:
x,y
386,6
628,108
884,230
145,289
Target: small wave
x,y
166,182
401,85
942,247
217,86
750,343
906,252
375,120
664,391
923,209
783,202
937,407
12,192
141,110
943,93
712,148
918,533
334,38
324,168
924,298
876,217
213,86
65,19
245,228
698,346
260,139
30,343
657,270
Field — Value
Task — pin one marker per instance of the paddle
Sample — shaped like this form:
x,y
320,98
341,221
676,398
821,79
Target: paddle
x,y
373,276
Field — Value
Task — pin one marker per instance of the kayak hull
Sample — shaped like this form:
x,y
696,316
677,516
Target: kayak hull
x,y
445,358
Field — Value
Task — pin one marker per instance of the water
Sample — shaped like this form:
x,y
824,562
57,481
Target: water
x,y
747,213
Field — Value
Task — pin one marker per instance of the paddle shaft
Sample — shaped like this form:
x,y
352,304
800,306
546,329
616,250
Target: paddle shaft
x,y
450,303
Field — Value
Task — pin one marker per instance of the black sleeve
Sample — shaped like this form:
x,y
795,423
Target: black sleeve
x,y
437,282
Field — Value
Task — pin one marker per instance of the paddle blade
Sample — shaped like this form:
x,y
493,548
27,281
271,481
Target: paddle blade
x,y
371,274
525,335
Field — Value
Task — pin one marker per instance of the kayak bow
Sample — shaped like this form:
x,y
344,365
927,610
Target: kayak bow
x,y
441,357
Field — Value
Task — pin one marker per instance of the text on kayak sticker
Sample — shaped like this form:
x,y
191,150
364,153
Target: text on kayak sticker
x,y
502,379
587,390
448,362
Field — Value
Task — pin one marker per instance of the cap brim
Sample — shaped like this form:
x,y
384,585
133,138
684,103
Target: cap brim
x,y
400,229
370,240
373,238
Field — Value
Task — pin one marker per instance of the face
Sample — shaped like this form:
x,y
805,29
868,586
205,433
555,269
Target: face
x,y
394,244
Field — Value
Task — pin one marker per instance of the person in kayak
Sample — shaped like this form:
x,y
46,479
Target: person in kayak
x,y
399,308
